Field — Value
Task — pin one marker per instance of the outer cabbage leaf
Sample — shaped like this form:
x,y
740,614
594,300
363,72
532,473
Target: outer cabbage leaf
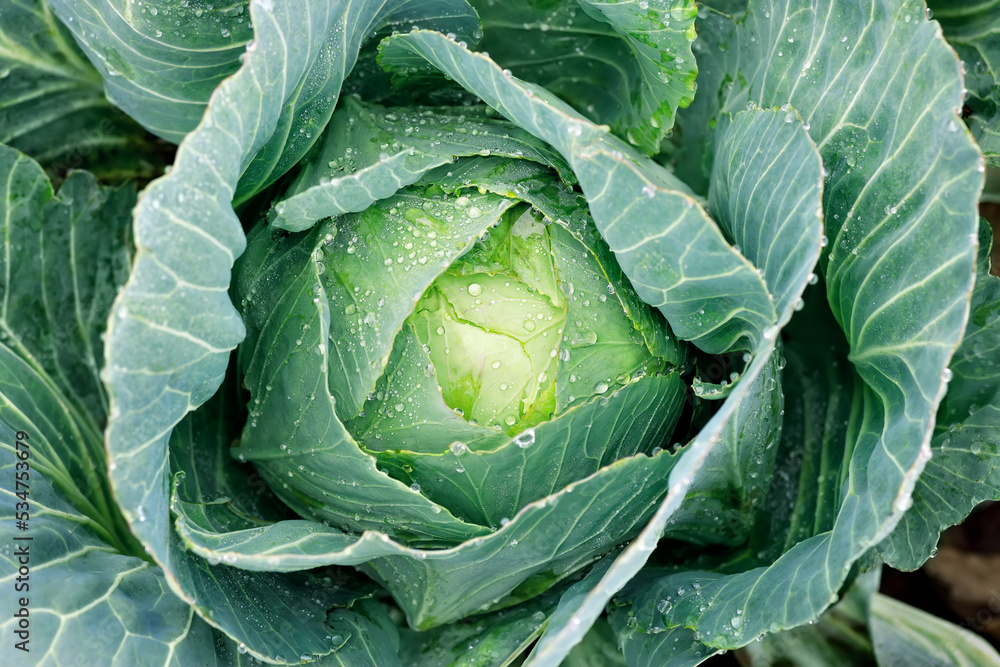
x,y
497,639
161,64
119,607
839,637
963,470
896,285
623,64
691,151
294,621
972,27
868,628
582,610
675,647
160,61
51,320
903,634
64,256
722,503
802,500
52,107
545,542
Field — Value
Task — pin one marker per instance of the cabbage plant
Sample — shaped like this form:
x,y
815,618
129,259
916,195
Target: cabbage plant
x,y
581,332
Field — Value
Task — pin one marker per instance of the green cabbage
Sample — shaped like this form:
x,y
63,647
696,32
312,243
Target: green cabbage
x,y
514,333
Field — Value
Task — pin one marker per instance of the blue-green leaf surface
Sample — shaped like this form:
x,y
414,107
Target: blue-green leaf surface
x,y
585,609
86,599
839,637
497,639
64,256
51,320
802,499
972,27
295,620
623,64
905,635
963,470
674,647
53,108
598,647
723,500
896,282
868,628
765,192
160,61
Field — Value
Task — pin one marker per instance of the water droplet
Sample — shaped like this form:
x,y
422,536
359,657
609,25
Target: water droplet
x,y
458,448
525,439
529,325
495,364
475,289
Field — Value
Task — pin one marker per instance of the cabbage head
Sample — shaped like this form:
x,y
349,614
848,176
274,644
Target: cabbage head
x,y
473,361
